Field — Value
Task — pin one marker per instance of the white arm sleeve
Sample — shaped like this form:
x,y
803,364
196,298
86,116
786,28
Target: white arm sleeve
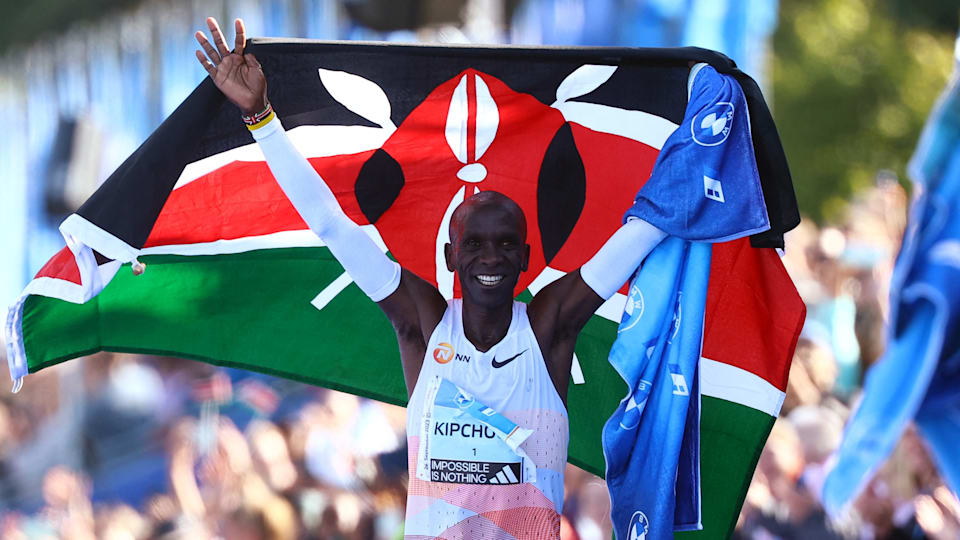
x,y
622,253
376,275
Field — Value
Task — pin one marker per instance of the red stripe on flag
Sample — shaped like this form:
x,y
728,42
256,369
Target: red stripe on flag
x,y
754,314
61,266
471,116
242,199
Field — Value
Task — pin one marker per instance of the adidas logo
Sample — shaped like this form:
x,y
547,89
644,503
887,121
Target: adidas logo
x,y
505,476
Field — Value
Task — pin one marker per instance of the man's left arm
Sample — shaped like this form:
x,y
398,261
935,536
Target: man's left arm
x,y
561,309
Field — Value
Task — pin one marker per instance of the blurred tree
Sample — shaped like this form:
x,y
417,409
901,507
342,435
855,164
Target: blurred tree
x,y
38,19
853,84
937,15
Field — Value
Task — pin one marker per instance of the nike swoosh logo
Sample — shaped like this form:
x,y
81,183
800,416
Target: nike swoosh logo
x,y
496,364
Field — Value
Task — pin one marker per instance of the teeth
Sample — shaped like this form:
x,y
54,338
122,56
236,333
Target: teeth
x,y
489,280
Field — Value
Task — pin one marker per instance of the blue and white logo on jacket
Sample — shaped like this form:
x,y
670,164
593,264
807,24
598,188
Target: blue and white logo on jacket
x,y
639,526
711,126
635,405
633,310
677,317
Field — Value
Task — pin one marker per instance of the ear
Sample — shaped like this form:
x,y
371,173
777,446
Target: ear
x,y
448,256
526,258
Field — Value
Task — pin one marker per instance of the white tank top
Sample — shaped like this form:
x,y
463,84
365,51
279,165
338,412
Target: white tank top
x,y
487,437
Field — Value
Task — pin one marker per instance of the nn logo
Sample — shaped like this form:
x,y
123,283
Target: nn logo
x,y
712,189
443,353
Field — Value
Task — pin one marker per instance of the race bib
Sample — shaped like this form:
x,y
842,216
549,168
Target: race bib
x,y
465,442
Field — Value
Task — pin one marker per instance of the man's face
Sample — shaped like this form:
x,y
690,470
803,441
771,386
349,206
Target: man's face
x,y
488,252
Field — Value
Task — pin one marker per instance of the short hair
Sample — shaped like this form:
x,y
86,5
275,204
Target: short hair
x,y
483,199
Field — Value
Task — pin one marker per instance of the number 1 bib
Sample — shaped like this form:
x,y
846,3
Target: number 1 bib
x,y
463,441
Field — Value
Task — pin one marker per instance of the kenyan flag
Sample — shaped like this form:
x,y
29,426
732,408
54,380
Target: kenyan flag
x,y
402,134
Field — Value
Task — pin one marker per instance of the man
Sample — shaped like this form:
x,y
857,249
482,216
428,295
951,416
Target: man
x,y
487,376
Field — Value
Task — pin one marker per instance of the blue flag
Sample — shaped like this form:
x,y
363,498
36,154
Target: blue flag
x,y
651,442
918,376
704,188
705,185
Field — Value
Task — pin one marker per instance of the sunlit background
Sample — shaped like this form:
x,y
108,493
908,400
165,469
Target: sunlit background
x,y
122,446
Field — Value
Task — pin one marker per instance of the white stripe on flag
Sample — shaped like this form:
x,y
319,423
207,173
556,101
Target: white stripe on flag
x,y
640,126
546,277
311,141
612,309
283,239
576,372
737,385
331,291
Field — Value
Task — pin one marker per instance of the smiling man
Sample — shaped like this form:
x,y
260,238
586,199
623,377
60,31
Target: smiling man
x,y
486,375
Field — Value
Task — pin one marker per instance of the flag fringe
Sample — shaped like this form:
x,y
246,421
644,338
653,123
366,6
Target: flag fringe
x,y
13,335
82,238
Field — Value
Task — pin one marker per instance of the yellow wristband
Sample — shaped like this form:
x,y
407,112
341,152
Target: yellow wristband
x,y
262,122
255,121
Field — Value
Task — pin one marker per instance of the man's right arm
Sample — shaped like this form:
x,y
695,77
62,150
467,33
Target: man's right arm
x,y
376,275
413,306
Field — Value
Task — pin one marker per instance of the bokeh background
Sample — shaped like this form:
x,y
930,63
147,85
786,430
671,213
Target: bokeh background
x,y
130,447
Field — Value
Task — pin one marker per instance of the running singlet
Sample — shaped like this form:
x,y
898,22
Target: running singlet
x,y
487,438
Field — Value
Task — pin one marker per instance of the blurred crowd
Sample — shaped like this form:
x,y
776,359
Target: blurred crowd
x,y
129,447
843,274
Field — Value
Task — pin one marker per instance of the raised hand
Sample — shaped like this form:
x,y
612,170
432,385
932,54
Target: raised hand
x,y
236,74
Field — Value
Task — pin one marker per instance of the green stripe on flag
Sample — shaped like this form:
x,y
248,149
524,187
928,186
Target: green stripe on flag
x,y
252,310
731,439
